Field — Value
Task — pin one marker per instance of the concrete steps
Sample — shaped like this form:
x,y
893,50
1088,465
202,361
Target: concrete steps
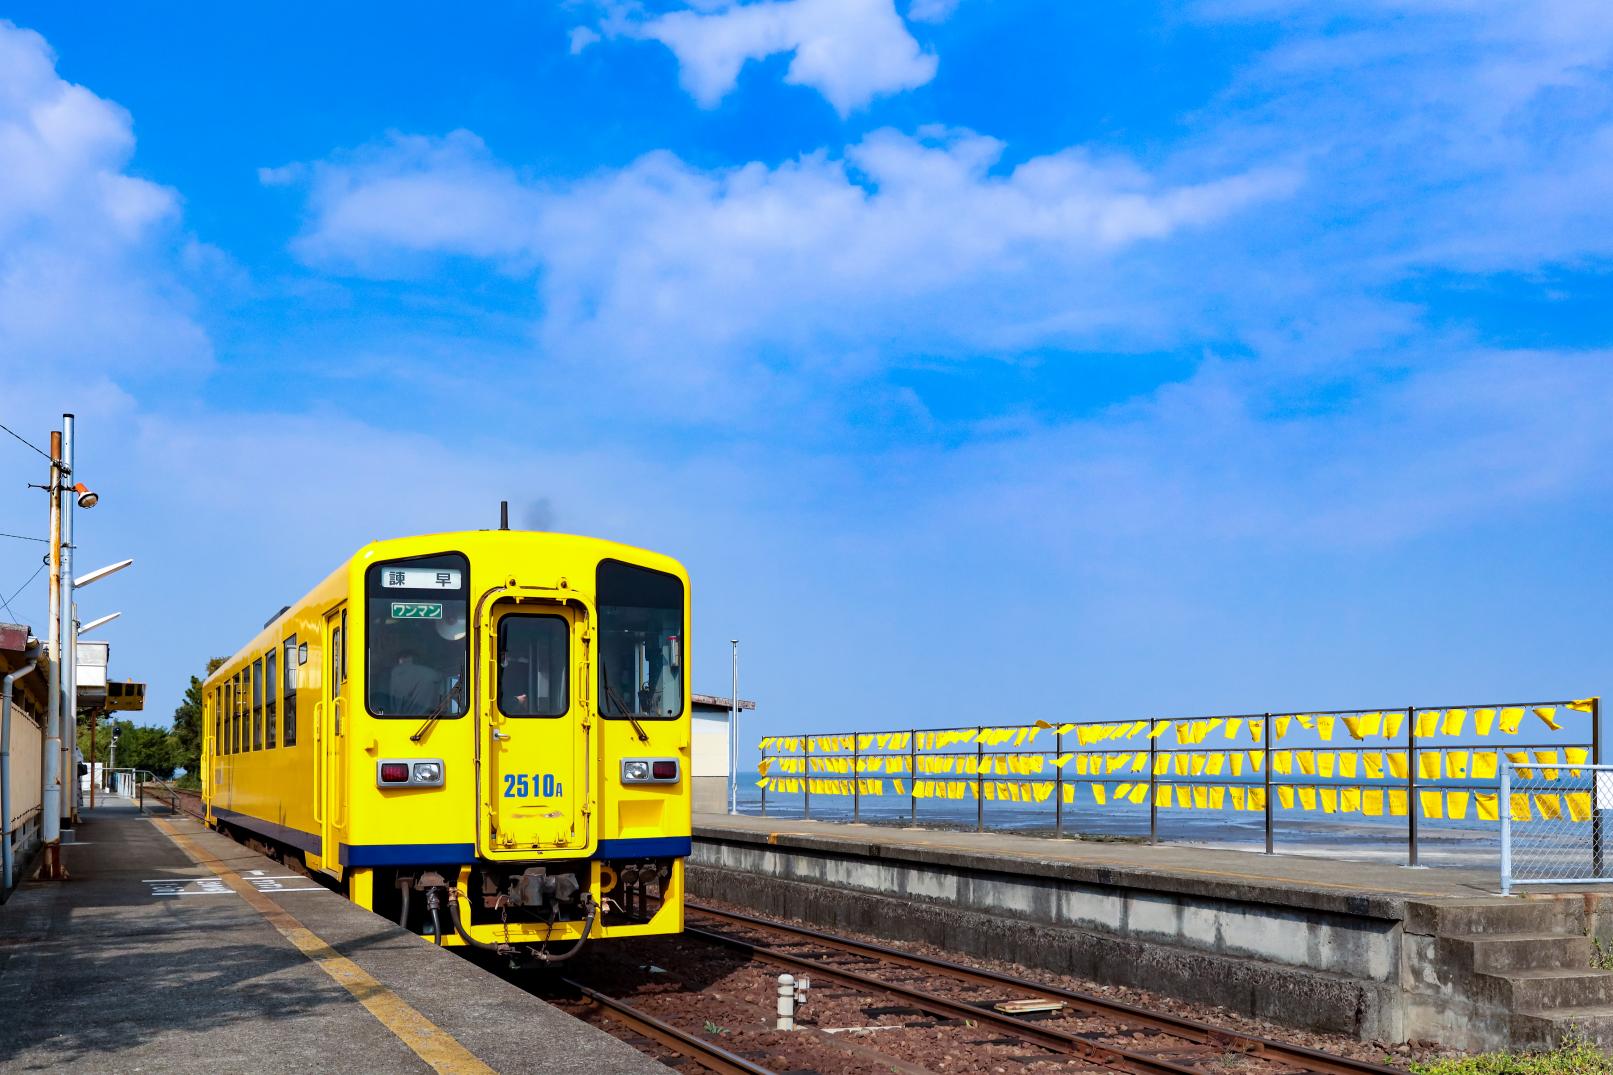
x,y
1505,953
1547,1029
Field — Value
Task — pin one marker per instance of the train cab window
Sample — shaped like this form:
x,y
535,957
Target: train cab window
x,y
290,706
271,680
532,660
640,642
417,637
218,721
257,704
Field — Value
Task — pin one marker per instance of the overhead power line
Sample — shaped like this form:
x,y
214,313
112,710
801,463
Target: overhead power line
x,y
25,537
24,440
6,601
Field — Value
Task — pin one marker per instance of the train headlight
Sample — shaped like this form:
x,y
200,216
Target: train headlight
x,y
650,770
409,773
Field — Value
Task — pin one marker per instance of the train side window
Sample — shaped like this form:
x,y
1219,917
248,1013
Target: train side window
x,y
271,679
218,744
232,715
257,704
240,715
290,706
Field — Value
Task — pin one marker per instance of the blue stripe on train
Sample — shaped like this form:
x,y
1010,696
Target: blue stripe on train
x,y
645,847
426,854
405,854
308,841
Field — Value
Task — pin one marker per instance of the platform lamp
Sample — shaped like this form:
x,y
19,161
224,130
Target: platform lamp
x,y
70,666
82,629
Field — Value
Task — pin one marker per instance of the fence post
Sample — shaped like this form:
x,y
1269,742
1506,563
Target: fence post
x,y
856,779
1412,762
1153,783
1265,750
764,786
913,776
980,783
1058,784
1596,812
806,805
1504,810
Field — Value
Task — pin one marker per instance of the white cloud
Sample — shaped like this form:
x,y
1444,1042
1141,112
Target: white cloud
x,y
931,10
412,195
851,51
85,248
684,276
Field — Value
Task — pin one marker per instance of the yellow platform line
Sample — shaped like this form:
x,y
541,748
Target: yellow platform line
x,y
428,1041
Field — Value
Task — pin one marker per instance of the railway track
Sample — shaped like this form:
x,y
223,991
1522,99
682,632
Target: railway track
x,y
1163,1042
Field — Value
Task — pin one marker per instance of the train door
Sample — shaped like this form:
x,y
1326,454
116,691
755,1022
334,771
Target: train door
x,y
331,731
534,729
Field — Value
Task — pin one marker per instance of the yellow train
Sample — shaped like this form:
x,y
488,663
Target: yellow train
x,y
481,735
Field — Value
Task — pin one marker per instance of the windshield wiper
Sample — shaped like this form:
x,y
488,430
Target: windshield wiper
x,y
436,715
621,710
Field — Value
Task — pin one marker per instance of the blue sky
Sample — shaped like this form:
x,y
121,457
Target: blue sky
x,y
980,360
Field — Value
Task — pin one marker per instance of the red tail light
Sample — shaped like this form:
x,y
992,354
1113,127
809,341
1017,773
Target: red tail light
x,y
394,772
664,770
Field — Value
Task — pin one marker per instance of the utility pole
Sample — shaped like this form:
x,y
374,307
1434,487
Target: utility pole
x,y
51,756
733,735
69,729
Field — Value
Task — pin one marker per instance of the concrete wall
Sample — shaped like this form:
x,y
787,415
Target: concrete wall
x,y
710,794
1476,975
708,736
27,738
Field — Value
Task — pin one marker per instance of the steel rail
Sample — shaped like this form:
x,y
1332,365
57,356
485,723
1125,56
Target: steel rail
x,y
708,1055
1192,1030
1059,1041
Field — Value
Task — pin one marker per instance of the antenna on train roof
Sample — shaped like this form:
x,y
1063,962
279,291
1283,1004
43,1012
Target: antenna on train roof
x,y
503,514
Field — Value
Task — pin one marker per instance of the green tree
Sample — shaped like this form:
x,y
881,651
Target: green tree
x,y
187,730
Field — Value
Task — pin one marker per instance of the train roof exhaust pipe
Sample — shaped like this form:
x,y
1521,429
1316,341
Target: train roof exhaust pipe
x,y
503,514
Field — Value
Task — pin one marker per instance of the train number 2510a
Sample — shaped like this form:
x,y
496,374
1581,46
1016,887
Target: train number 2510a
x,y
521,786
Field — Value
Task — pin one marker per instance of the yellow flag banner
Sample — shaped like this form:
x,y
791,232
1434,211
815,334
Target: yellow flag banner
x,y
1456,764
1427,722
1576,756
1428,764
1456,804
1452,724
1324,727
1511,717
1392,723
1349,800
1433,803
1583,705
1549,758
1483,720
1347,764
1548,716
1485,765
1307,798
1279,727
1486,804
1579,805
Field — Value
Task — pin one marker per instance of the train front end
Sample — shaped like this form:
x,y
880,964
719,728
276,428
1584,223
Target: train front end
x,y
518,756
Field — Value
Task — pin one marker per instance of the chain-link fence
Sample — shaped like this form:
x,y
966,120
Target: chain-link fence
x,y
1552,823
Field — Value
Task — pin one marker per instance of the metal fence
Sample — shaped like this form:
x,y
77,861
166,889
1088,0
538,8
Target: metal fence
x,y
1552,824
1419,763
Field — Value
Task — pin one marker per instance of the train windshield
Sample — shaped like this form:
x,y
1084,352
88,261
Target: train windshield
x,y
417,642
640,642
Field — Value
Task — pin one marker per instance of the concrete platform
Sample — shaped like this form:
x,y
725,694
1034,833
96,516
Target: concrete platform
x,y
1383,952
198,955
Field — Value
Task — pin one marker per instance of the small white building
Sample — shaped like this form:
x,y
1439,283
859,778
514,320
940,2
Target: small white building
x,y
710,763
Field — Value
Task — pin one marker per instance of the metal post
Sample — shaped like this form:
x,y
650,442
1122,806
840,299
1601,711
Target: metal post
x,y
1504,811
1265,735
733,734
1411,785
806,759
1153,784
856,779
913,776
1596,813
69,728
50,814
1058,784
980,783
93,715
764,786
